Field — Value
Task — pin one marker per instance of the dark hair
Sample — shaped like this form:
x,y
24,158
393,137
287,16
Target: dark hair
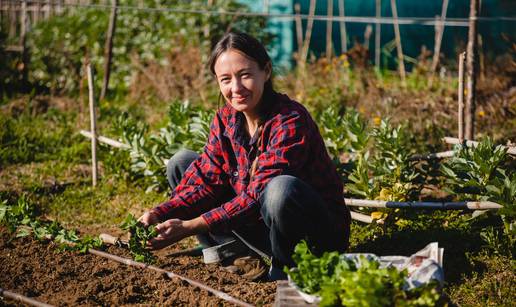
x,y
249,46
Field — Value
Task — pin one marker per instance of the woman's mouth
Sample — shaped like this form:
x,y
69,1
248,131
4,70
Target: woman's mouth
x,y
239,99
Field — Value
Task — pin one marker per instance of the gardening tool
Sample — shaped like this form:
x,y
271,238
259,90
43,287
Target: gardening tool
x,y
109,239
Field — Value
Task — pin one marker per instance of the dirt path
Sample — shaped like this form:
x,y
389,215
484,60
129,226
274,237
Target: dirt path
x,y
38,270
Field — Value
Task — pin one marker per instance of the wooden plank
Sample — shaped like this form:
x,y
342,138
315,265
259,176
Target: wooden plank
x,y
287,296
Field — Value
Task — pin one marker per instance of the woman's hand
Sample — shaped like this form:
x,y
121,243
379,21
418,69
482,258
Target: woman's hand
x,y
174,230
149,218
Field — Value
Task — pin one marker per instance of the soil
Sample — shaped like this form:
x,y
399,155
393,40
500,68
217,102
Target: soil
x,y
40,271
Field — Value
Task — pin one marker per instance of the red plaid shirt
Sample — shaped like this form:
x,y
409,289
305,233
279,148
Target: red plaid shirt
x,y
291,145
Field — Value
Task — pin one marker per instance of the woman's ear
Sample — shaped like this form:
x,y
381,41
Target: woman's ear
x,y
268,70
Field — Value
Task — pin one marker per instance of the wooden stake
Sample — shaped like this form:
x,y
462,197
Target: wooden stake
x,y
439,31
23,42
471,70
299,30
401,64
342,24
22,298
460,114
461,205
308,33
329,30
108,49
367,35
105,140
449,140
377,34
93,121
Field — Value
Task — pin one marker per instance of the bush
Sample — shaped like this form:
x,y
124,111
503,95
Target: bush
x,y
61,45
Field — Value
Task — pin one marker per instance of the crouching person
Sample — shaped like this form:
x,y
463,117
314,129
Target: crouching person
x,y
264,177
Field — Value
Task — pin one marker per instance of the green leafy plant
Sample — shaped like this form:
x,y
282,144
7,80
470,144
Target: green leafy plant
x,y
343,133
339,282
140,235
21,218
484,173
388,173
188,127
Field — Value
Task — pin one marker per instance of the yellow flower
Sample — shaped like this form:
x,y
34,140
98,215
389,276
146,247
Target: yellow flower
x,y
377,120
481,113
377,215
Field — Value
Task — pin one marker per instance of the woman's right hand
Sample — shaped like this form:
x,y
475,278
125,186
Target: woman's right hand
x,y
149,218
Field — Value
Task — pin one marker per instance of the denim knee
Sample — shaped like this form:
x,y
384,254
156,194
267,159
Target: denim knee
x,y
276,195
177,165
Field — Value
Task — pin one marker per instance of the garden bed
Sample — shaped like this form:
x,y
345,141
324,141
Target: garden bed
x,y
40,271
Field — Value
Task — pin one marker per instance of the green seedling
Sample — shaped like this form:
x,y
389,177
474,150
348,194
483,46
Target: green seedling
x,y
140,236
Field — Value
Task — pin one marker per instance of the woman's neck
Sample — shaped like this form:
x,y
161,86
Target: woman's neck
x,y
251,123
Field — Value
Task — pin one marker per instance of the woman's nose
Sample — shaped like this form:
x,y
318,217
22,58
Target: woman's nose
x,y
236,85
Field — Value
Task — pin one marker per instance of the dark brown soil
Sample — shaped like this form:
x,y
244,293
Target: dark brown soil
x,y
38,270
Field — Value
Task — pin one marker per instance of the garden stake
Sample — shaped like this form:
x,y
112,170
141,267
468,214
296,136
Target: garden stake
x,y
342,24
439,31
377,34
460,205
105,140
401,64
471,69
462,55
449,140
23,299
93,121
329,30
108,49
129,262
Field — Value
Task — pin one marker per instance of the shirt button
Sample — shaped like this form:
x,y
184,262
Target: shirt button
x,y
235,174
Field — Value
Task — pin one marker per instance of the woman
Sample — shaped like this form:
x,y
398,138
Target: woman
x,y
264,174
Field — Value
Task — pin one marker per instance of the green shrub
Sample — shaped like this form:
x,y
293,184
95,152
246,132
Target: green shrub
x,y
60,46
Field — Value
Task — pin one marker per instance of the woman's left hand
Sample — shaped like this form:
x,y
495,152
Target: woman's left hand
x,y
174,230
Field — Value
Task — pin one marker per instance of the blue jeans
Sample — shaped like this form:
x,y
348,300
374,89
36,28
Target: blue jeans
x,y
291,211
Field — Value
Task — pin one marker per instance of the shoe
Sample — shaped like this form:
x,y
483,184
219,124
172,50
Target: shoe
x,y
250,268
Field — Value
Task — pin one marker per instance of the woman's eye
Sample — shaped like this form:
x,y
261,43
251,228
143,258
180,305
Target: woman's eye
x,y
246,75
224,80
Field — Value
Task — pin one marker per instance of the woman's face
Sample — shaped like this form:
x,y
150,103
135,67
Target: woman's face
x,y
241,80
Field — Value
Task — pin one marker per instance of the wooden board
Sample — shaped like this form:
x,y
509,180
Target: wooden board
x,y
287,296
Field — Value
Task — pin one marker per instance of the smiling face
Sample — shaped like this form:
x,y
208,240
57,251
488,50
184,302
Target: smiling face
x,y
241,80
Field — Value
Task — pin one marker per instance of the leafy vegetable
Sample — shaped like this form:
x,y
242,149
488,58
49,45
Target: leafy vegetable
x,y
485,173
21,217
339,282
140,235
188,127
